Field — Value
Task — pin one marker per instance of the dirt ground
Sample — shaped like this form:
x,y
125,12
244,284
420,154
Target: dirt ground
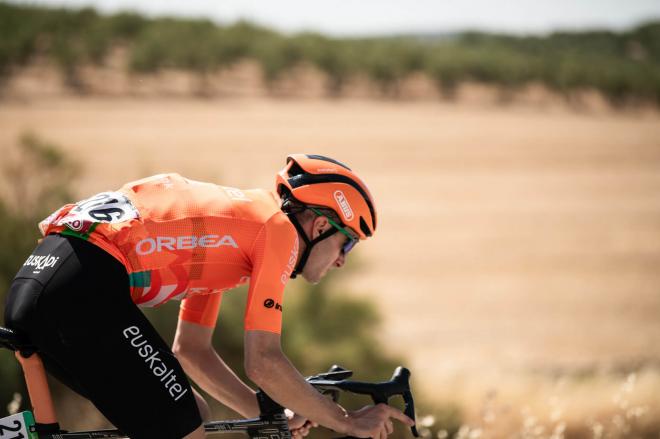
x,y
513,242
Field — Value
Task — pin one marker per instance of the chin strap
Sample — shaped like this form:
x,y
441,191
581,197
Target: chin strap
x,y
308,243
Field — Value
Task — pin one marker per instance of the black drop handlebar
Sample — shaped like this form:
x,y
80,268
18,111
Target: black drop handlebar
x,y
336,379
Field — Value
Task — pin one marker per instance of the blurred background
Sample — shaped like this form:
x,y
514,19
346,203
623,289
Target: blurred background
x,y
513,150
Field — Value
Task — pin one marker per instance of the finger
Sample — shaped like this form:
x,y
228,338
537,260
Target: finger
x,y
398,414
389,427
383,432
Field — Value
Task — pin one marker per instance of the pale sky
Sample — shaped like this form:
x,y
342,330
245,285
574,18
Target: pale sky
x,y
365,17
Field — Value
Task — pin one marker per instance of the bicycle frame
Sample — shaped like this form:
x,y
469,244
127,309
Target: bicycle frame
x,y
271,423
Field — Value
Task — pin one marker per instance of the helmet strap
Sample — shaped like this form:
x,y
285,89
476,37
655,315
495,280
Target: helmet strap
x,y
309,244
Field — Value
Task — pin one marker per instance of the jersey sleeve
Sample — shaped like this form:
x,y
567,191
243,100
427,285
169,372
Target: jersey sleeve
x,y
49,224
201,309
274,257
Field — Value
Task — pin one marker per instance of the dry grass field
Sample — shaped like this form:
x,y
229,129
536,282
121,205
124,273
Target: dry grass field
x,y
517,261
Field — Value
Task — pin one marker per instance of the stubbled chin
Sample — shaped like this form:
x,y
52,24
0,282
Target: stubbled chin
x,y
312,281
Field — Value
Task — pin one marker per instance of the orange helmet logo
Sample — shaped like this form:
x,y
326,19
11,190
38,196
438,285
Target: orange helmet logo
x,y
345,208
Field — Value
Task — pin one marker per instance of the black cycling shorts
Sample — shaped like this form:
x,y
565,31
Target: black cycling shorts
x,y
73,300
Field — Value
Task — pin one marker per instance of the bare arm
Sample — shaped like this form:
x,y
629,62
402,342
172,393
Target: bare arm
x,y
268,367
192,347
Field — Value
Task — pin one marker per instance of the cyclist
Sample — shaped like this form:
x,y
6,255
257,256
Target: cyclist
x,y
168,237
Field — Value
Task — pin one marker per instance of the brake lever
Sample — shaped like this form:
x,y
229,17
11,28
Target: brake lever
x,y
400,378
335,373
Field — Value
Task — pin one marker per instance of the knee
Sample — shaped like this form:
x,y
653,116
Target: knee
x,y
21,304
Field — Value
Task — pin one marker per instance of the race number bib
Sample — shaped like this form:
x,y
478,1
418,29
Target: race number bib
x,y
106,207
17,426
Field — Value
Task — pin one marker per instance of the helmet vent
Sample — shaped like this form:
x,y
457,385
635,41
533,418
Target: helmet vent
x,y
364,227
327,159
295,170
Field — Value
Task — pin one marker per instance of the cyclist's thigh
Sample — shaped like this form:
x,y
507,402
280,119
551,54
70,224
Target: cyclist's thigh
x,y
21,312
129,373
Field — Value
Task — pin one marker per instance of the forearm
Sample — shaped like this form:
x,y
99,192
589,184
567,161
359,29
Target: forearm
x,y
282,382
219,381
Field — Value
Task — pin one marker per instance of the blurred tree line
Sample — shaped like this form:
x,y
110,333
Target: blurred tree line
x,y
624,66
321,326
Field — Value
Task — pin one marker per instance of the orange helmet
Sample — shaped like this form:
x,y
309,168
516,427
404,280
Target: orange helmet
x,y
321,181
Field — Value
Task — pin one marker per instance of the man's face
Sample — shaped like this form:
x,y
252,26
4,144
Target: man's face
x,y
326,254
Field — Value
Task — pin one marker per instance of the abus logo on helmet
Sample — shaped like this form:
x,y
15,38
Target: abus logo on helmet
x,y
343,205
171,243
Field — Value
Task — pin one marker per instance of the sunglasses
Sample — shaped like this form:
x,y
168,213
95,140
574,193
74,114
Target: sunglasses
x,y
350,242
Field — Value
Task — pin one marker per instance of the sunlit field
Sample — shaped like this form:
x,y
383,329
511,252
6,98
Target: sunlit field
x,y
516,263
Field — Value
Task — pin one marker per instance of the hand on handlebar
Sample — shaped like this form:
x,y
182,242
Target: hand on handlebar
x,y
298,425
375,421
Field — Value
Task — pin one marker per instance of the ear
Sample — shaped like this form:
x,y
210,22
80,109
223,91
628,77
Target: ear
x,y
319,225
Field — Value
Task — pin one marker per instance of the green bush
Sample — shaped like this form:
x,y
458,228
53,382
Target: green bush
x,y
336,58
647,37
174,43
276,55
18,29
388,61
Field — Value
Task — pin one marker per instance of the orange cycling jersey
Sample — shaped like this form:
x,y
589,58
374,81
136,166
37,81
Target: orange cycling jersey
x,y
183,239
